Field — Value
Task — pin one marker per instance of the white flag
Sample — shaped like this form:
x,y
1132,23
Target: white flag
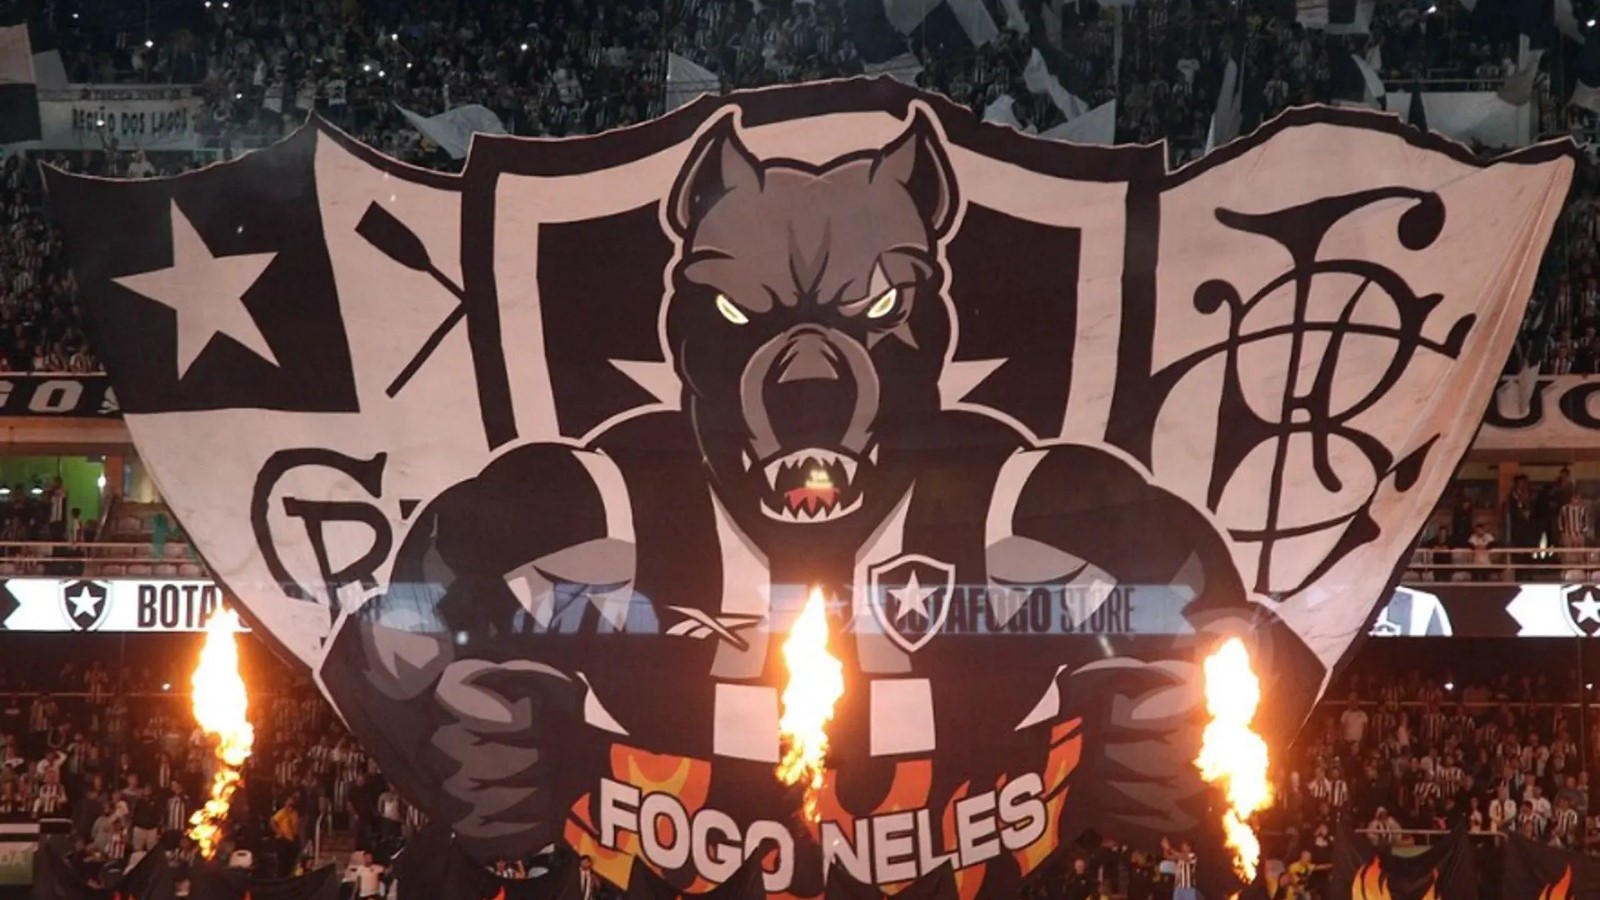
x,y
1229,116
1375,91
453,129
1036,75
687,79
1097,126
1001,112
1586,97
903,68
1518,89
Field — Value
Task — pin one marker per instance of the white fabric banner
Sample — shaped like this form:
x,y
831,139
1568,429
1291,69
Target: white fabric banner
x,y
903,68
1097,126
1469,116
1558,413
1313,15
1374,91
1518,89
1039,81
1586,97
146,117
1229,115
120,605
687,79
49,71
1001,112
453,129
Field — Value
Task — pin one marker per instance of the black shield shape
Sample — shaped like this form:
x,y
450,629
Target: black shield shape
x,y
85,604
910,596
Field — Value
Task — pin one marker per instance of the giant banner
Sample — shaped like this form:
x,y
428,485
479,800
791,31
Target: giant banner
x,y
58,395
136,116
1363,870
1549,413
1537,872
1455,609
537,465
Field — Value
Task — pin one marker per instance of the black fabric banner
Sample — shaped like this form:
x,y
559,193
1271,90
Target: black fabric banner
x,y
59,396
940,884
56,878
1536,872
1362,871
433,867
236,884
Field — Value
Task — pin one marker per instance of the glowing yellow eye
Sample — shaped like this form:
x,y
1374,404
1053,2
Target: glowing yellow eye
x,y
885,304
730,312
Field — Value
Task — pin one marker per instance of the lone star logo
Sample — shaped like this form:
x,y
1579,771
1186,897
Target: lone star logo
x,y
1583,605
910,597
85,604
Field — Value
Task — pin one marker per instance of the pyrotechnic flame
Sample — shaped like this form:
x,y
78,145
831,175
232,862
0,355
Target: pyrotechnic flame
x,y
221,707
1561,890
1233,756
816,682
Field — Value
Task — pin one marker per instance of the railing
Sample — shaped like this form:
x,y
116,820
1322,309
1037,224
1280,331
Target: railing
x,y
1503,566
1499,566
100,560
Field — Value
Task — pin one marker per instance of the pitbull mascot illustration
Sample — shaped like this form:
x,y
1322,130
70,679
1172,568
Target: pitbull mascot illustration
x,y
582,615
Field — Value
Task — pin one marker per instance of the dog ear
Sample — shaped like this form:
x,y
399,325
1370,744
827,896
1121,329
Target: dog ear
x,y
916,160
719,163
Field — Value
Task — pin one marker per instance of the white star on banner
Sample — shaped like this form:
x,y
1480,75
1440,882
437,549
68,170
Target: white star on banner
x,y
206,292
1586,609
913,598
83,604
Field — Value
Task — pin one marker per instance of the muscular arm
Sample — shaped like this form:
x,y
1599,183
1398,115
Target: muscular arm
x,y
1142,708
439,667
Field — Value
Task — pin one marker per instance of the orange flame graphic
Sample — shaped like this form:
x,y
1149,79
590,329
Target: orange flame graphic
x,y
1372,884
1231,754
816,682
221,707
1561,890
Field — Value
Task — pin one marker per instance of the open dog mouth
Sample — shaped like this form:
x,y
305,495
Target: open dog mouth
x,y
811,485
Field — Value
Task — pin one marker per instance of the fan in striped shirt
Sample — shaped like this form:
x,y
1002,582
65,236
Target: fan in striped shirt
x,y
1564,823
1338,791
51,799
1572,523
1184,863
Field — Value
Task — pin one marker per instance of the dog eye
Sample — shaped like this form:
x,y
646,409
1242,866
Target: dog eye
x,y
730,312
884,305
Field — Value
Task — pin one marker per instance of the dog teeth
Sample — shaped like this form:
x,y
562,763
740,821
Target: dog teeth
x,y
807,516
771,471
849,469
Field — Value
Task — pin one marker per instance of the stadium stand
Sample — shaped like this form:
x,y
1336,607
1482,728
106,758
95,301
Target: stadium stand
x,y
109,744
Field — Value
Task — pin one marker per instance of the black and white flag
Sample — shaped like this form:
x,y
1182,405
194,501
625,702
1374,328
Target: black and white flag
x,y
19,95
536,466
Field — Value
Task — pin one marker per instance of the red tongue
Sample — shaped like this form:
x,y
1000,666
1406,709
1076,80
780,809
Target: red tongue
x,y
811,499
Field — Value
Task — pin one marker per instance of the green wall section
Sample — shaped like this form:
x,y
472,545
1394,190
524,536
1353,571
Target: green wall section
x,y
80,476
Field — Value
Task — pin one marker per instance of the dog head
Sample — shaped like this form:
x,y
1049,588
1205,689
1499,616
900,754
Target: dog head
x,y
808,322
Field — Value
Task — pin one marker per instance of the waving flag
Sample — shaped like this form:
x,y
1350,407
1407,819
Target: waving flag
x,y
536,466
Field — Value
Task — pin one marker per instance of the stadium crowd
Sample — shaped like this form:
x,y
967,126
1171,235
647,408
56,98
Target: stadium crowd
x,y
558,67
115,751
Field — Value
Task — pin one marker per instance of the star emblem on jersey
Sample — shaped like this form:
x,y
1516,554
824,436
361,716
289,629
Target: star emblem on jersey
x,y
910,597
84,603
1583,604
